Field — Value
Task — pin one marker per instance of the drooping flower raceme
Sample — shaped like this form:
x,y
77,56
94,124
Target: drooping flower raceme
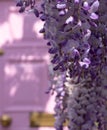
x,y
76,31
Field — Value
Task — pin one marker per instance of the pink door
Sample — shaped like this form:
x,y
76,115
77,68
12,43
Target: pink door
x,y
24,73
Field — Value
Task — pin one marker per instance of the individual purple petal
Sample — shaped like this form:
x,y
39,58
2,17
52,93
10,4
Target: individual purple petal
x,y
61,6
76,1
87,48
62,12
85,63
36,12
75,53
94,16
94,7
69,20
86,60
43,17
87,35
86,5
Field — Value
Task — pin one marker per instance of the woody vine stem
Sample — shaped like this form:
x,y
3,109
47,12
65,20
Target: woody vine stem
x,y
76,31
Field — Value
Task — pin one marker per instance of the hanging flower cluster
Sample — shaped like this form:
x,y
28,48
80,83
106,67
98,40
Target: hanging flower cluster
x,y
27,6
68,29
77,40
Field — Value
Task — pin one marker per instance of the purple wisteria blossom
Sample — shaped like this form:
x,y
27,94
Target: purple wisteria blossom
x,y
76,31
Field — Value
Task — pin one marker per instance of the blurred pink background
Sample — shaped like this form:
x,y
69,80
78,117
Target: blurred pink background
x,y
24,67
